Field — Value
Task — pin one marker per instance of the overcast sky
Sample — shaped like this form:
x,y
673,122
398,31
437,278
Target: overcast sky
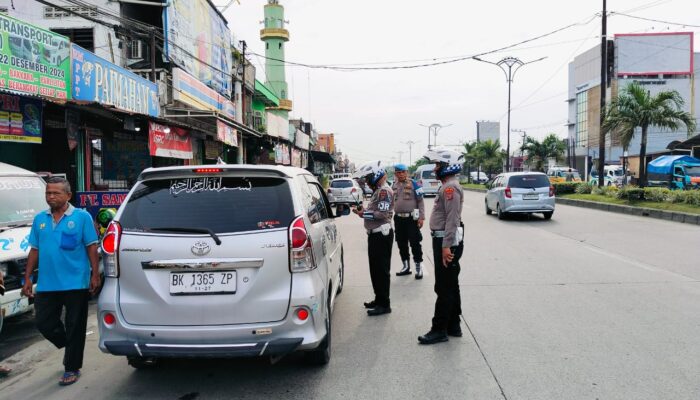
x,y
372,112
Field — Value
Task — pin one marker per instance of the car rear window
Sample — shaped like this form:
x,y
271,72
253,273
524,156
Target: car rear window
x,y
428,175
528,181
222,204
341,184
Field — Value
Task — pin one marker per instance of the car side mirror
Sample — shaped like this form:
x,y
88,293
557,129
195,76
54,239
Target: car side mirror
x,y
342,209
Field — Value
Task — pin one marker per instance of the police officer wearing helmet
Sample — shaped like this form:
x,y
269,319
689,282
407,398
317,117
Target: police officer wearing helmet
x,y
447,232
408,220
380,235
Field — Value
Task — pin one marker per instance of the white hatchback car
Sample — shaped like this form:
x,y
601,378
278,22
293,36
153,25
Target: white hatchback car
x,y
520,192
221,261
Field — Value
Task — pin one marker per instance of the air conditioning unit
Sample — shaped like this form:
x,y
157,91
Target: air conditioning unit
x,y
136,50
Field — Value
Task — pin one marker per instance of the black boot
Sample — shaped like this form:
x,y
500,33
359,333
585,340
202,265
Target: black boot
x,y
378,310
370,304
433,337
419,270
406,270
455,330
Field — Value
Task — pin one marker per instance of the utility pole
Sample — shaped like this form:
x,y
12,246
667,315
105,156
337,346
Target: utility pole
x,y
243,118
153,55
410,144
603,87
509,66
523,136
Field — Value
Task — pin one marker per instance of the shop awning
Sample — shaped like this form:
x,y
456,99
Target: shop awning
x,y
322,157
265,95
205,120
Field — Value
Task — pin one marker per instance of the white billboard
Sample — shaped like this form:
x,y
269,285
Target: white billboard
x,y
654,53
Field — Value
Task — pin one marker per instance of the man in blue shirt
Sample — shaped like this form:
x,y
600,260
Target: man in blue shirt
x,y
63,241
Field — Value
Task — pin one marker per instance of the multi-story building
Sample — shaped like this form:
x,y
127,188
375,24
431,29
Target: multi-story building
x,y
659,61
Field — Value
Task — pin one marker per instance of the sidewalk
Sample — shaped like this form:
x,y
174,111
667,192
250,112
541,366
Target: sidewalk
x,y
673,216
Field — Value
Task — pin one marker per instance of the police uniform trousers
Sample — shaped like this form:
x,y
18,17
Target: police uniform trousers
x,y
379,254
407,231
448,305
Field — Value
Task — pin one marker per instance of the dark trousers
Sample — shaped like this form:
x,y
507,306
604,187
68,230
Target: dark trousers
x,y
407,232
379,253
448,305
48,307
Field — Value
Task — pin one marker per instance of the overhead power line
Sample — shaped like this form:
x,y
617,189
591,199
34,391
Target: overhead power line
x,y
654,20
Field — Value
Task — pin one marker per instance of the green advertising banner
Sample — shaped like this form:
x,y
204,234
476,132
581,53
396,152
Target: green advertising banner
x,y
33,60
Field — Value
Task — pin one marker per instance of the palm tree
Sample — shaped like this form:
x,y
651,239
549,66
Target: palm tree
x,y
470,157
490,156
635,107
539,152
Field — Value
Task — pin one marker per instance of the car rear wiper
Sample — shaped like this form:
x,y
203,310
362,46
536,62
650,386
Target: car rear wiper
x,y
190,230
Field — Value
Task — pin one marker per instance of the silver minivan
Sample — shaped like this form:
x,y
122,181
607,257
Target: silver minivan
x,y
425,176
520,192
221,261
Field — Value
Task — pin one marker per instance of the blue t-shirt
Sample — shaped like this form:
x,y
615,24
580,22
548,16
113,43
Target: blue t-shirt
x,y
62,246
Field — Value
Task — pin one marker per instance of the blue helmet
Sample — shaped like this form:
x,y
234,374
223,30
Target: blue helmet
x,y
371,172
449,161
400,167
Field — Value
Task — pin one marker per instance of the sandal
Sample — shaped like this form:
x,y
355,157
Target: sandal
x,y
69,378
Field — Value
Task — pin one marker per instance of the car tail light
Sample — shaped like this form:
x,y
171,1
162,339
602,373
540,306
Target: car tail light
x,y
301,250
302,314
208,170
109,319
551,191
329,190
353,190
110,248
508,193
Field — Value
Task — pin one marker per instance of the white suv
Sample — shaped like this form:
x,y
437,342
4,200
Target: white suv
x,y
220,261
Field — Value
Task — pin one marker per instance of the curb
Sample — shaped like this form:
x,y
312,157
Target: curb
x,y
673,216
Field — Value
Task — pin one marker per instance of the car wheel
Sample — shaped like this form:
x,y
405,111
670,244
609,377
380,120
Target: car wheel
x,y
341,275
142,362
488,210
548,215
322,354
499,212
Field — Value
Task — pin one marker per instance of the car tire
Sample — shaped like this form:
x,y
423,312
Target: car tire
x,y
499,212
488,210
142,362
341,275
322,354
548,215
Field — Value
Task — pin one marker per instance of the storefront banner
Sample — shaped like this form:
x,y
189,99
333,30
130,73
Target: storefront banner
x,y
20,119
123,157
188,90
94,201
33,60
296,158
198,40
226,134
169,141
213,149
96,79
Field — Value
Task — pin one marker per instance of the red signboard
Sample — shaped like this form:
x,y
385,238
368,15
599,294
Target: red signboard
x,y
169,141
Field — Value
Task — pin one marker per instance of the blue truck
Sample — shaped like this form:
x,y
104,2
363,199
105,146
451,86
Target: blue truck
x,y
674,172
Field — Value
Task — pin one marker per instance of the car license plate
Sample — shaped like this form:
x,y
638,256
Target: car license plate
x,y
531,196
433,183
213,282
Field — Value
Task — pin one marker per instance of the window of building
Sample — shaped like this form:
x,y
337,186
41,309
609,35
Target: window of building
x,y
135,50
56,13
582,119
279,45
267,45
3,10
83,37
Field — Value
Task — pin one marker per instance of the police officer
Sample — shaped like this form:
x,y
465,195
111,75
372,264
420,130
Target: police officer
x,y
408,220
447,232
380,235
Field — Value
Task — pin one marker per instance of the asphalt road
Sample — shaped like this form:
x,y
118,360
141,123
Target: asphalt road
x,y
589,305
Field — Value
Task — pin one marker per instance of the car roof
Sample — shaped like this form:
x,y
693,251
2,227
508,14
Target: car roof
x,y
282,171
425,166
508,174
11,170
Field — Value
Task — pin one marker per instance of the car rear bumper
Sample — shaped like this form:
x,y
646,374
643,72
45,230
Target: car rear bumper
x,y
130,348
529,206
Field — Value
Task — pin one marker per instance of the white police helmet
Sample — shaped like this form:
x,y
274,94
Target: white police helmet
x,y
449,161
371,172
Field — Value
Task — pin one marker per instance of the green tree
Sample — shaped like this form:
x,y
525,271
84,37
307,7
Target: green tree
x,y
470,158
539,152
489,156
635,107
421,161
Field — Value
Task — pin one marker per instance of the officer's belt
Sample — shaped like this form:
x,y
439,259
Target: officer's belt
x,y
404,215
375,230
438,234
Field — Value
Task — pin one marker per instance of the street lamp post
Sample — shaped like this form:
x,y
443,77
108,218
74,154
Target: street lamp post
x,y
434,128
509,66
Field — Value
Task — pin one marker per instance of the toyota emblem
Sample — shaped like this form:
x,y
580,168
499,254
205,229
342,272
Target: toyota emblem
x,y
200,249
